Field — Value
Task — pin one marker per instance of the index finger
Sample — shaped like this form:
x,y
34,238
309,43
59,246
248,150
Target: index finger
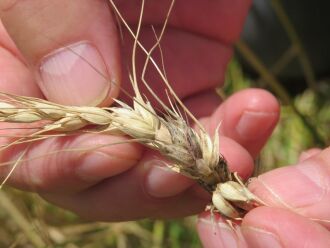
x,y
74,61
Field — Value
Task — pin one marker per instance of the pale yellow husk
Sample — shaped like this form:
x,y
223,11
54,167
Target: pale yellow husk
x,y
192,153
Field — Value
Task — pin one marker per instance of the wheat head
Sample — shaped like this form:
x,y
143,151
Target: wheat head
x,y
192,153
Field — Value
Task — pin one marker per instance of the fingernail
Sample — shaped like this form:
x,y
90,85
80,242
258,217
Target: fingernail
x,y
219,234
256,237
163,182
75,75
253,125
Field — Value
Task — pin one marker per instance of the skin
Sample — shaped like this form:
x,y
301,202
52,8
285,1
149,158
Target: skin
x,y
106,183
296,212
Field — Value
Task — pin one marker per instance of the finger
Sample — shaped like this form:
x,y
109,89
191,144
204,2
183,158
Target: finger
x,y
124,197
309,153
70,164
6,42
231,13
302,188
203,104
248,117
15,77
263,227
214,232
106,203
200,63
76,61
271,227
157,191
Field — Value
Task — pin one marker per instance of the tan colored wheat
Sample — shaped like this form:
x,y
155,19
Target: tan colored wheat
x,y
192,153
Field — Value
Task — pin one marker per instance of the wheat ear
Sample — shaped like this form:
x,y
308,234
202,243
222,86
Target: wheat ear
x,y
192,153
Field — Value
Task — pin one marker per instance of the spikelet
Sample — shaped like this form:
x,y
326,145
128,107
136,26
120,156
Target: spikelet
x,y
62,118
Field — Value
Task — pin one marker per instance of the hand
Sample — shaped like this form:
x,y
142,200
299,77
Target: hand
x,y
109,184
297,212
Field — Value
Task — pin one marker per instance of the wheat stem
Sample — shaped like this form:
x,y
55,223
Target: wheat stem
x,y
20,220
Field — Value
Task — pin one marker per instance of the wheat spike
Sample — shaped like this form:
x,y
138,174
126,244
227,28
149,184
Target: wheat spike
x,y
192,153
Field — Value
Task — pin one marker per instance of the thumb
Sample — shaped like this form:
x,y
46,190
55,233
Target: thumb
x,y
71,46
303,188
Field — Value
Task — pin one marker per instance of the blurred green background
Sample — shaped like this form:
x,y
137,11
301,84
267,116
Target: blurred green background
x,y
28,221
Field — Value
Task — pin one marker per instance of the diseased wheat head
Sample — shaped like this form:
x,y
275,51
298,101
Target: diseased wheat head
x,y
192,153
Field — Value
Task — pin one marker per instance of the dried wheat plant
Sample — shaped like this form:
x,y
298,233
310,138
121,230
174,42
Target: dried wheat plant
x,y
192,153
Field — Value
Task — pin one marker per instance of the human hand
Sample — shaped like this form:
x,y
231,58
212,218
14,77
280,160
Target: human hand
x,y
297,212
108,183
